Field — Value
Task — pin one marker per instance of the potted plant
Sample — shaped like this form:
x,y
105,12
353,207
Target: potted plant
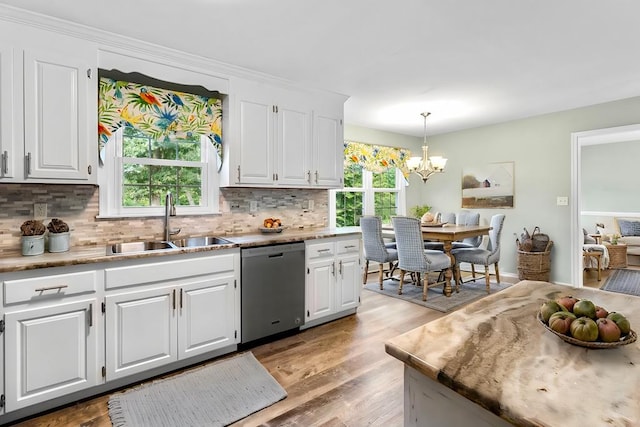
x,y
422,212
32,237
58,235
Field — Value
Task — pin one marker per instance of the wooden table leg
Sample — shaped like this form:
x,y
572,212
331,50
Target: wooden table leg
x,y
447,274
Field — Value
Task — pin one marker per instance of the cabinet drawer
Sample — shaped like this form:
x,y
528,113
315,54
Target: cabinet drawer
x,y
138,274
318,250
348,246
25,290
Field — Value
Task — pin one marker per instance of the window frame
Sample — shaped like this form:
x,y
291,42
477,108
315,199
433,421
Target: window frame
x,y
110,181
368,199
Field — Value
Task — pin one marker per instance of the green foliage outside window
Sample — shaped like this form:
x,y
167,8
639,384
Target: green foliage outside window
x,y
146,185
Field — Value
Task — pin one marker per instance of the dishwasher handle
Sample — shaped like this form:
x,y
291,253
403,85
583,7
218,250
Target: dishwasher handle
x,y
278,255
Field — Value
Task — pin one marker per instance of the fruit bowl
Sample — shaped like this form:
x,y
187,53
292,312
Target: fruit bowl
x,y
628,339
267,230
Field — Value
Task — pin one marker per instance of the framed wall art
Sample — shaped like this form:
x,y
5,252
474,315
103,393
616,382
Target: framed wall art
x,y
488,186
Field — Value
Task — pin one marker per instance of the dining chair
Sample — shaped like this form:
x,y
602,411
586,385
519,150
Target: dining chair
x,y
375,249
468,218
413,258
482,256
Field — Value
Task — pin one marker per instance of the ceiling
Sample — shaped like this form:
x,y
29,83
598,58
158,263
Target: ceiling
x,y
469,62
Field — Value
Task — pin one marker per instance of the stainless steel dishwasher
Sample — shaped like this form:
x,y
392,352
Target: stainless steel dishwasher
x,y
272,284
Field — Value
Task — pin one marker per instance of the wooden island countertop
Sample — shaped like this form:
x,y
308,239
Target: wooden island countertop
x,y
495,353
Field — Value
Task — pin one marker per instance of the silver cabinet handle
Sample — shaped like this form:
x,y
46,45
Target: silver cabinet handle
x,y
333,269
180,298
5,162
51,288
340,267
316,177
309,177
238,174
90,313
324,250
28,165
349,246
174,299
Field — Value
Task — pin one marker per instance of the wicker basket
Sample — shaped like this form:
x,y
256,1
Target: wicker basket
x,y
535,265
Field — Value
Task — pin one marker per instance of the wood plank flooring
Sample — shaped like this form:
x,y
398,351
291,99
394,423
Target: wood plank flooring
x,y
336,374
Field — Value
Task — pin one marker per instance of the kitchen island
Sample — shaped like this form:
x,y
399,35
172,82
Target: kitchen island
x,y
493,363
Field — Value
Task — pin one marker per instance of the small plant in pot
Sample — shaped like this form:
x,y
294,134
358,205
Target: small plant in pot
x,y
422,212
58,235
32,237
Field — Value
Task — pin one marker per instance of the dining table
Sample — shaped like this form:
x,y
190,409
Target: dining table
x,y
447,234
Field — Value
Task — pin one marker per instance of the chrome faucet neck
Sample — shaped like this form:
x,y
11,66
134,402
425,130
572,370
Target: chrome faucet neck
x,y
169,210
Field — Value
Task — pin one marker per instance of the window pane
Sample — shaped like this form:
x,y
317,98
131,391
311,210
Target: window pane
x,y
385,206
163,175
189,196
348,208
353,176
135,196
189,149
385,179
135,174
135,144
165,149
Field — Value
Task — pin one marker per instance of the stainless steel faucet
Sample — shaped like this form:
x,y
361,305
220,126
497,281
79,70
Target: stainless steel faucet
x,y
169,210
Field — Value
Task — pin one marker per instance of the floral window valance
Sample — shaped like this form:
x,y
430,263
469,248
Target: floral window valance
x,y
156,112
376,158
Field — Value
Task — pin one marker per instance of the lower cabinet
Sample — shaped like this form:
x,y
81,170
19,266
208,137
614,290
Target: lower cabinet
x,y
50,351
333,277
156,324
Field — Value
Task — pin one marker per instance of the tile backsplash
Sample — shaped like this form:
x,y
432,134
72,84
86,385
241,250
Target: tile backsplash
x,y
77,205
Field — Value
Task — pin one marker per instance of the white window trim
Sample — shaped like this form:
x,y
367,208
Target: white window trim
x,y
368,199
110,183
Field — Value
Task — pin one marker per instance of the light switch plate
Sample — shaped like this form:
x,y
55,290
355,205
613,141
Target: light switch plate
x,y
562,201
253,206
39,210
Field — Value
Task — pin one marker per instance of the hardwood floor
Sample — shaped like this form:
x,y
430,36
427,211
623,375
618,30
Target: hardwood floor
x,y
336,374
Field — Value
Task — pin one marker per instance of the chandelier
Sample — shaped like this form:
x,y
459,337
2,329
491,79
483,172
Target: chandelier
x,y
425,166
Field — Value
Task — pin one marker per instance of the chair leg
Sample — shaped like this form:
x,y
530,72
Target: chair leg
x,y
473,271
497,272
380,274
425,286
456,276
366,271
486,278
402,273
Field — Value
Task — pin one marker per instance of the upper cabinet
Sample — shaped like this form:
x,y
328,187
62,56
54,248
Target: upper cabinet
x,y
48,115
282,138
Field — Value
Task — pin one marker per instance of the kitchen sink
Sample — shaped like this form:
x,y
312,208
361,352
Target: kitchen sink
x,y
132,247
161,245
200,241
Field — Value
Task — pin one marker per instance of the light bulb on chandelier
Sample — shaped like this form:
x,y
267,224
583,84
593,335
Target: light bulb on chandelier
x,y
425,166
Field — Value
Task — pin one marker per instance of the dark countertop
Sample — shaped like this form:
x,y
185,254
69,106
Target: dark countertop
x,y
15,261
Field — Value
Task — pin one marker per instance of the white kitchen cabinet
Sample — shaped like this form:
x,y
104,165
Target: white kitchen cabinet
x,y
163,312
273,136
333,271
50,82
52,336
283,138
327,170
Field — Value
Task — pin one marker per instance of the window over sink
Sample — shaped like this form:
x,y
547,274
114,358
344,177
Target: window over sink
x,y
153,141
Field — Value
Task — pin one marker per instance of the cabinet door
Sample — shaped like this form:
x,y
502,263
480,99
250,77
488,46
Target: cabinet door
x,y
328,134
10,138
207,315
58,116
50,352
348,285
293,145
320,288
256,140
140,331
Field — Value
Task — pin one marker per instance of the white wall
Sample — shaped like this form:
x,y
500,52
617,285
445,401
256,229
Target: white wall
x,y
541,149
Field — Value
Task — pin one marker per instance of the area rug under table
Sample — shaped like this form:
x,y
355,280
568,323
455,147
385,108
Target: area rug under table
x,y
624,282
215,395
436,300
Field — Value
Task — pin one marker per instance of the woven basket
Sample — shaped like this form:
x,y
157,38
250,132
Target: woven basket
x,y
535,265
617,256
